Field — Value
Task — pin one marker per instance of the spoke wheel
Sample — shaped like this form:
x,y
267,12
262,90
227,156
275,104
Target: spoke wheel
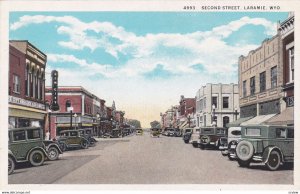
x,y
273,162
36,158
11,165
53,153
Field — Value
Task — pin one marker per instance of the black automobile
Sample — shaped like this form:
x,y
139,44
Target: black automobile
x,y
187,135
88,134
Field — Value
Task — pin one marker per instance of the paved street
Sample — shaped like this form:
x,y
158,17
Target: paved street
x,y
146,160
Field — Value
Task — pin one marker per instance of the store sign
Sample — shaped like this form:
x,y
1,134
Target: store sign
x,y
290,101
54,105
23,102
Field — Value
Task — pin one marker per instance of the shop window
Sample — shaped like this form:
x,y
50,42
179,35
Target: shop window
x,y
225,121
16,84
291,64
244,88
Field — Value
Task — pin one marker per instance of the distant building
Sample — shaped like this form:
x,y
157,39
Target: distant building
x,y
224,98
186,110
26,97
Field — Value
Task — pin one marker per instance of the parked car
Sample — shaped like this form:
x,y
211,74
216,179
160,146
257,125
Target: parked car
x,y
88,134
139,131
234,136
194,140
177,132
187,135
223,146
26,145
72,139
155,132
53,149
116,133
210,137
271,145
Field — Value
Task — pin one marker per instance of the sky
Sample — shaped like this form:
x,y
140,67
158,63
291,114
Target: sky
x,y
144,61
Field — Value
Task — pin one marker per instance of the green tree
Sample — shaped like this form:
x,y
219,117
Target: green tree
x,y
155,124
135,123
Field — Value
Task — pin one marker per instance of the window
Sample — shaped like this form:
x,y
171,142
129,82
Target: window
x,y
262,81
244,88
18,135
236,132
33,134
280,133
225,102
291,64
225,121
215,101
290,133
274,77
252,132
73,133
26,81
252,85
16,83
220,131
68,104
204,102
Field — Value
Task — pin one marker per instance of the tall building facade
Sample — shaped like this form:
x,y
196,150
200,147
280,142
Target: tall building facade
x,y
218,103
260,80
26,85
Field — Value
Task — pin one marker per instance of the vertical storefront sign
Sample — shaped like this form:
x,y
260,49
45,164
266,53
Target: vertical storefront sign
x,y
54,105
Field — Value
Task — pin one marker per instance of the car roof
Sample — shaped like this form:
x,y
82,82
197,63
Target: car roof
x,y
23,128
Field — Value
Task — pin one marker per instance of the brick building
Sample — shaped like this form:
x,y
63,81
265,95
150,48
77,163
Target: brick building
x,y
26,85
218,100
75,101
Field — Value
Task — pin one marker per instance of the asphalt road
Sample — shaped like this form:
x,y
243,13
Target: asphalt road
x,y
146,160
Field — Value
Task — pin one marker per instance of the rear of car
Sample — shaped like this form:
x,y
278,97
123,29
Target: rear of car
x,y
195,137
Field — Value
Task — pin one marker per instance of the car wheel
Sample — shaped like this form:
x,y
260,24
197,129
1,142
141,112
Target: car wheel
x,y
273,162
63,147
186,141
244,150
202,147
36,158
84,144
244,163
229,157
53,153
195,145
11,165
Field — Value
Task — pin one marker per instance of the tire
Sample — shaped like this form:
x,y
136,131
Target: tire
x,y
36,158
224,153
195,145
186,141
84,145
273,161
63,147
53,153
11,165
244,164
202,147
229,157
244,150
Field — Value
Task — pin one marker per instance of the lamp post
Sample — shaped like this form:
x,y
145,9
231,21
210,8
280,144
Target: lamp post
x,y
189,120
71,115
98,129
75,116
214,116
49,127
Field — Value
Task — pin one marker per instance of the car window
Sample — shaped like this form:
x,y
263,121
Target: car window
x,y
220,131
81,133
88,131
207,131
33,134
73,133
280,132
188,130
290,133
19,135
236,132
252,132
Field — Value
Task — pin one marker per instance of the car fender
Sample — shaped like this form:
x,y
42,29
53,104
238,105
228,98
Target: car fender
x,y
36,148
268,151
54,145
10,154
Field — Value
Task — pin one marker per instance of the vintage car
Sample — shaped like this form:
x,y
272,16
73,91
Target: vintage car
x,y
88,134
234,136
26,145
187,135
194,140
116,133
270,145
155,132
139,131
72,139
177,132
223,145
210,137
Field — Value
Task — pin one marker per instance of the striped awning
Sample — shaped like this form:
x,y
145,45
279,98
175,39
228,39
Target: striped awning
x,y
238,122
257,120
286,117
26,114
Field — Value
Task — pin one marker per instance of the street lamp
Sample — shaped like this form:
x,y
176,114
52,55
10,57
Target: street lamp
x,y
214,115
71,115
49,129
75,116
189,119
98,129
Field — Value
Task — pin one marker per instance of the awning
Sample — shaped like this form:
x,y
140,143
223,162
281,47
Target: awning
x,y
26,114
286,117
257,120
182,125
238,122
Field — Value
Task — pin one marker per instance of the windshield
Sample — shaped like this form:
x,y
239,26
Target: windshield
x,y
207,130
171,129
220,131
188,130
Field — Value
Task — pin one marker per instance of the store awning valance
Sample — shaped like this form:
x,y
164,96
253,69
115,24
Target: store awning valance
x,y
286,117
26,114
257,120
238,122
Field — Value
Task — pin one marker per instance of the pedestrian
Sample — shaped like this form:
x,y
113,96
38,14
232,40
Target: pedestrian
x,y
47,135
